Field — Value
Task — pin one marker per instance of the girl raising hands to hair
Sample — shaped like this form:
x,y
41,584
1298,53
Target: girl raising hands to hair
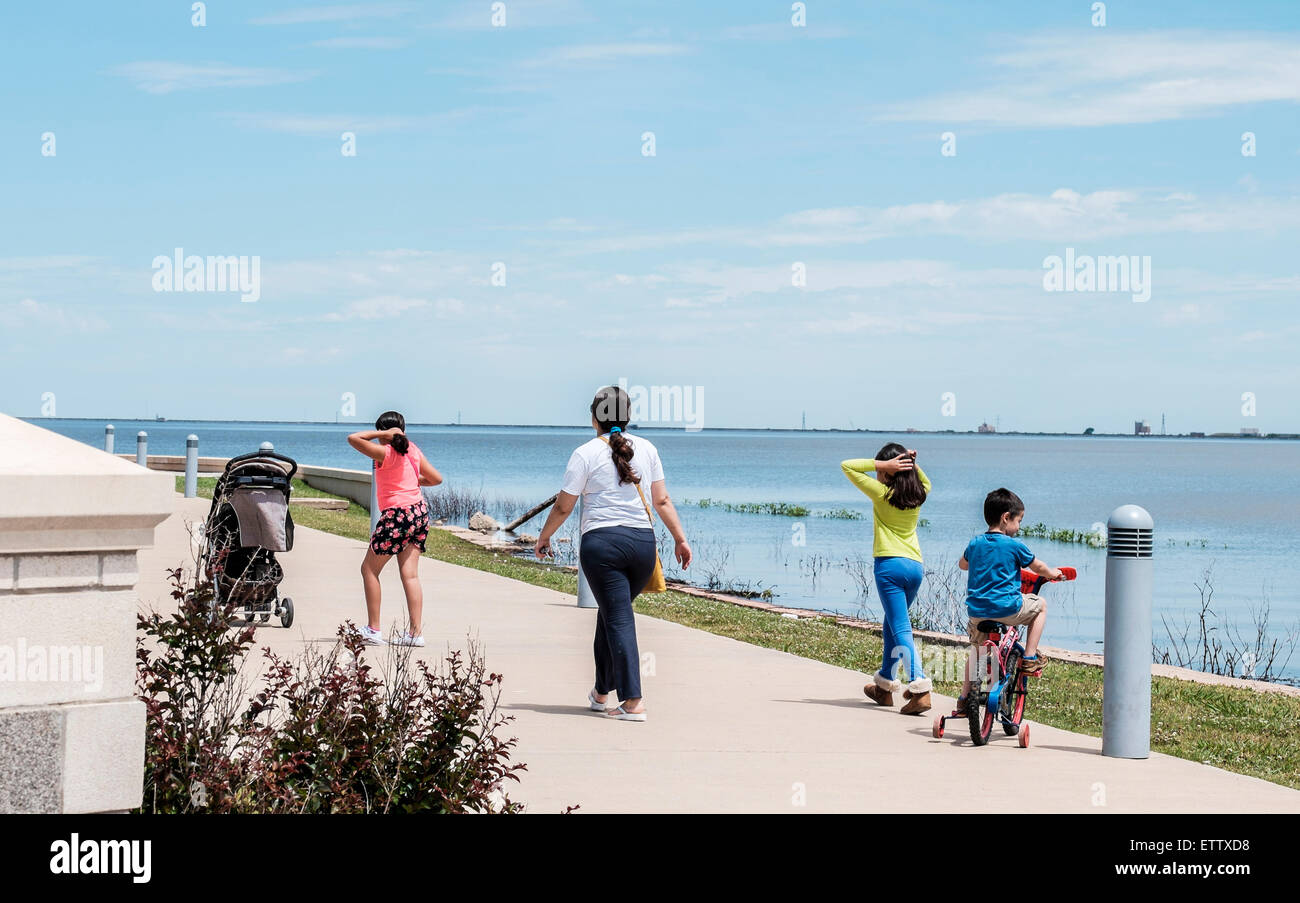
x,y
400,469
897,493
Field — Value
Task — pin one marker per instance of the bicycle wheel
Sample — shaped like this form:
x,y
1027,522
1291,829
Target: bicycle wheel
x,y
980,726
1011,705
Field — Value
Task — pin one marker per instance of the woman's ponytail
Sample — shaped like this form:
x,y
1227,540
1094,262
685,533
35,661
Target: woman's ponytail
x,y
622,451
387,421
610,411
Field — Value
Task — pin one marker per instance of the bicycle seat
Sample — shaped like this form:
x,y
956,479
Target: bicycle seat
x,y
990,626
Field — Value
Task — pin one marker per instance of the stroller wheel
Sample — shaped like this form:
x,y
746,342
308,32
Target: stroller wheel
x,y
286,612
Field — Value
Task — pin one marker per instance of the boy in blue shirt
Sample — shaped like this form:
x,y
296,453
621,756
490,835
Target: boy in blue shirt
x,y
993,561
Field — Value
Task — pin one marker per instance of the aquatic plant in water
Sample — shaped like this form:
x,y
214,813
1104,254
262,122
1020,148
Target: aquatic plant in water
x,y
1092,539
778,509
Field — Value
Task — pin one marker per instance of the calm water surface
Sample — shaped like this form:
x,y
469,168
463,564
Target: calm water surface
x,y
1229,505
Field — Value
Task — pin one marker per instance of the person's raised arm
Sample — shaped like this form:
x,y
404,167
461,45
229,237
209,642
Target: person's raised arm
x,y
857,470
1045,570
925,481
429,475
668,514
560,511
364,442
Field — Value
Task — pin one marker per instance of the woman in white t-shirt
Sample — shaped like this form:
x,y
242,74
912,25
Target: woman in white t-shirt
x,y
617,553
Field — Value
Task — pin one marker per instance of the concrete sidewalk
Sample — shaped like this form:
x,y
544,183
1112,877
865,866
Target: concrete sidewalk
x,y
732,727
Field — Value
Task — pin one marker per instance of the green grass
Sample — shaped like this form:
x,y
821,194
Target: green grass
x,y
207,485
1231,728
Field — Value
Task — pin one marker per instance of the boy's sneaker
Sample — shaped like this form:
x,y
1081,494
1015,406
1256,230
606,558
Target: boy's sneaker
x,y
370,636
1031,667
961,706
405,639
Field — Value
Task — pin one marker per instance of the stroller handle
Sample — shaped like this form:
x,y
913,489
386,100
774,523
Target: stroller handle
x,y
239,459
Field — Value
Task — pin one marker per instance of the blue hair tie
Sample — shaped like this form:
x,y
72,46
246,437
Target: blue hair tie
x,y
616,429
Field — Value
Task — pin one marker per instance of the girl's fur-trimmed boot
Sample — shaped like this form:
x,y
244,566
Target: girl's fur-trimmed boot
x,y
917,695
881,690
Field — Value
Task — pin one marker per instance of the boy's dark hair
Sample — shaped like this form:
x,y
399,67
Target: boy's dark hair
x,y
1000,502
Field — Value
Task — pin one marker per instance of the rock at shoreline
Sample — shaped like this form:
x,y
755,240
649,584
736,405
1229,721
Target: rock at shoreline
x,y
483,523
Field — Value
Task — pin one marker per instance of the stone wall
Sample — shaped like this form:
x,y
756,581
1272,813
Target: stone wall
x,y
348,484
71,521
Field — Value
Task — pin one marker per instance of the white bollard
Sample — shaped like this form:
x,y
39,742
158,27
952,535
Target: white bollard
x,y
266,446
142,448
191,466
374,501
108,438
1126,679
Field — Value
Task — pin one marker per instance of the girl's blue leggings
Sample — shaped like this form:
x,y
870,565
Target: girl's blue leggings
x,y
897,582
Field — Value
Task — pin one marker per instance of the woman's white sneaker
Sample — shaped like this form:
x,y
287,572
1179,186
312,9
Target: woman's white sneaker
x,y
370,636
405,639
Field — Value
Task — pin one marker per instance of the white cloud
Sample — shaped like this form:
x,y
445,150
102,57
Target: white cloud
x,y
28,312
519,14
160,77
381,307
1095,77
911,321
604,53
778,31
337,123
1063,215
48,262
449,307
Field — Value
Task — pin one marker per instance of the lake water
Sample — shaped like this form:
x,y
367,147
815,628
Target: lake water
x,y
1229,505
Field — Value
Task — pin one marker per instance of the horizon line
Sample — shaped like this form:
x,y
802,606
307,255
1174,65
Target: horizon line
x,y
769,429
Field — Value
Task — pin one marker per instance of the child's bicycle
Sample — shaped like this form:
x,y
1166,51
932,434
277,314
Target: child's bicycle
x,y
1008,688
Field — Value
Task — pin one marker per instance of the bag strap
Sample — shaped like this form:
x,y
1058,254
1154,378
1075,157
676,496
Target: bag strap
x,y
638,489
644,505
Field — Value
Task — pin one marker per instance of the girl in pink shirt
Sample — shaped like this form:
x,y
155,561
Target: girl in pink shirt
x,y
400,469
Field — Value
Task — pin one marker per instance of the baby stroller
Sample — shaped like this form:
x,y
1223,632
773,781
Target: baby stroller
x,y
248,523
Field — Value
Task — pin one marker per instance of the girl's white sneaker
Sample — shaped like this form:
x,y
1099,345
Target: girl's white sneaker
x,y
405,639
370,636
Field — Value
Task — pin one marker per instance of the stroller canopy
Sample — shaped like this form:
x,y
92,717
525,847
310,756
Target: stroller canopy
x,y
257,488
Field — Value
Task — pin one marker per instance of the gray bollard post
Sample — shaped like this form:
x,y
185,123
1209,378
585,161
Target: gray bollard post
x,y
191,466
108,438
1126,680
142,448
586,598
374,501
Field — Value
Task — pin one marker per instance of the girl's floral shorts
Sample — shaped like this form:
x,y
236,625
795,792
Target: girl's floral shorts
x,y
399,528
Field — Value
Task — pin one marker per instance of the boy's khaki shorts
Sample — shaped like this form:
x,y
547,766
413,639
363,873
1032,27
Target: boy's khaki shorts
x,y
1031,606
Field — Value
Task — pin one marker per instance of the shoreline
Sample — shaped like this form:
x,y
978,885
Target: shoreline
x,y
1091,659
1283,437
491,542
1205,719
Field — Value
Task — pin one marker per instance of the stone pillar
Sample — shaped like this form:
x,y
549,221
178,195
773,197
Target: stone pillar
x,y
71,520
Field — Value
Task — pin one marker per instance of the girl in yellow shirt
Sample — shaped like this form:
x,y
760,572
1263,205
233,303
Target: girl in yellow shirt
x,y
897,493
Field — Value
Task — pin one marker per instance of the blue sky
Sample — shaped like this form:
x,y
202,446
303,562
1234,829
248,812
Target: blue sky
x,y
775,145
